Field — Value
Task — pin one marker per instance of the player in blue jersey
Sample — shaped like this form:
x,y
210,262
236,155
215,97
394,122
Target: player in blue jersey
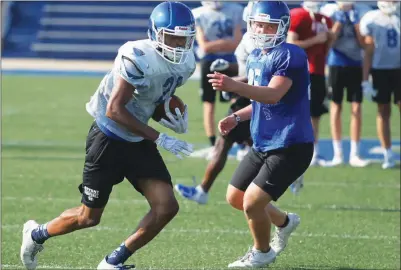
x,y
278,85
218,33
345,72
120,143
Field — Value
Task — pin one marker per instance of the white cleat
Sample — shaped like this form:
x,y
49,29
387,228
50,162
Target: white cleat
x,y
314,161
281,235
29,249
357,162
388,164
336,161
192,193
254,259
297,185
104,265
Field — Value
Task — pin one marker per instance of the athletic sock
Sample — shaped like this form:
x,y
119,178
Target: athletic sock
x,y
287,220
119,255
40,234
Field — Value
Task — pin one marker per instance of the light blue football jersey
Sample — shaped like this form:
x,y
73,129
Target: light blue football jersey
x,y
385,30
154,79
218,24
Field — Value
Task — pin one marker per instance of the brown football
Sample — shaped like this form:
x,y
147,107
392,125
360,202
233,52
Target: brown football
x,y
160,112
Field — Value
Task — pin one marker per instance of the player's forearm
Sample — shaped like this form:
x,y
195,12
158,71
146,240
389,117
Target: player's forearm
x,y
262,94
120,115
359,37
243,79
245,113
335,32
220,45
367,62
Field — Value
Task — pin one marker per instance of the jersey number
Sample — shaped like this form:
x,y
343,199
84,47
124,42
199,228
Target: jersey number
x,y
169,85
392,38
224,28
254,76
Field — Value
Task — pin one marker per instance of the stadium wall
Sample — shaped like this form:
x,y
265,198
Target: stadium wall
x,y
90,30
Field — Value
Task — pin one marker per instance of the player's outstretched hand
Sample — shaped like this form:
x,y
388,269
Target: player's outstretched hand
x,y
174,145
368,91
219,65
227,124
179,123
221,82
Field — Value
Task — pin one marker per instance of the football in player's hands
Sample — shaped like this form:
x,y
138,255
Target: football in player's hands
x,y
168,106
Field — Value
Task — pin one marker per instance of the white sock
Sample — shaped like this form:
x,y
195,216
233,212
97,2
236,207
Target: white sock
x,y
388,154
200,189
315,150
338,148
354,149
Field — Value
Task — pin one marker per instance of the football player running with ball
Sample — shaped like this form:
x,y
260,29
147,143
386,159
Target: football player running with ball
x,y
145,74
281,129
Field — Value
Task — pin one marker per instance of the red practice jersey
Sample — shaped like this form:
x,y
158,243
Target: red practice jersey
x,y
307,25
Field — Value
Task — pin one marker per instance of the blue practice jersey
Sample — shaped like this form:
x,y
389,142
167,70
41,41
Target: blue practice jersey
x,y
346,50
287,122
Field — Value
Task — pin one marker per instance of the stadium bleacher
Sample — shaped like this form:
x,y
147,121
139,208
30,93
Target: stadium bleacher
x,y
77,29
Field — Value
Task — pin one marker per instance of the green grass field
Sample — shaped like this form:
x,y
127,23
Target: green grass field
x,y
350,217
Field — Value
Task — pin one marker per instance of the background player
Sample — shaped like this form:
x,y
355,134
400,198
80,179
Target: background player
x,y
381,31
310,30
345,71
218,26
281,129
241,134
122,106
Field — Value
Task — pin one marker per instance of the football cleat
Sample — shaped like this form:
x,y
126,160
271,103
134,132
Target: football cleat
x,y
29,249
281,235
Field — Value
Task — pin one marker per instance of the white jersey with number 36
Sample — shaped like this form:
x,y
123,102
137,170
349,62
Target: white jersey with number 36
x,y
154,79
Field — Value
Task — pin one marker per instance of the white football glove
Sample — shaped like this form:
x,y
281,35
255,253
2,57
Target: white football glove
x,y
368,91
179,123
174,145
219,65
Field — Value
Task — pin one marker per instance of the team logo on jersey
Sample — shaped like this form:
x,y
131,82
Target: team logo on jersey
x,y
138,52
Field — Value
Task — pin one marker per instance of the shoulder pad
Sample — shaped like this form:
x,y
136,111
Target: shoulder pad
x,y
133,66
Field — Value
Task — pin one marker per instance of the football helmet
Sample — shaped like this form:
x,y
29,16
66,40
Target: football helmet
x,y
174,19
275,12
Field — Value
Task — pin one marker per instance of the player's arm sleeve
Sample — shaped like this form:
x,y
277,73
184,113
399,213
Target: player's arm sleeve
x,y
365,27
133,70
197,15
242,55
